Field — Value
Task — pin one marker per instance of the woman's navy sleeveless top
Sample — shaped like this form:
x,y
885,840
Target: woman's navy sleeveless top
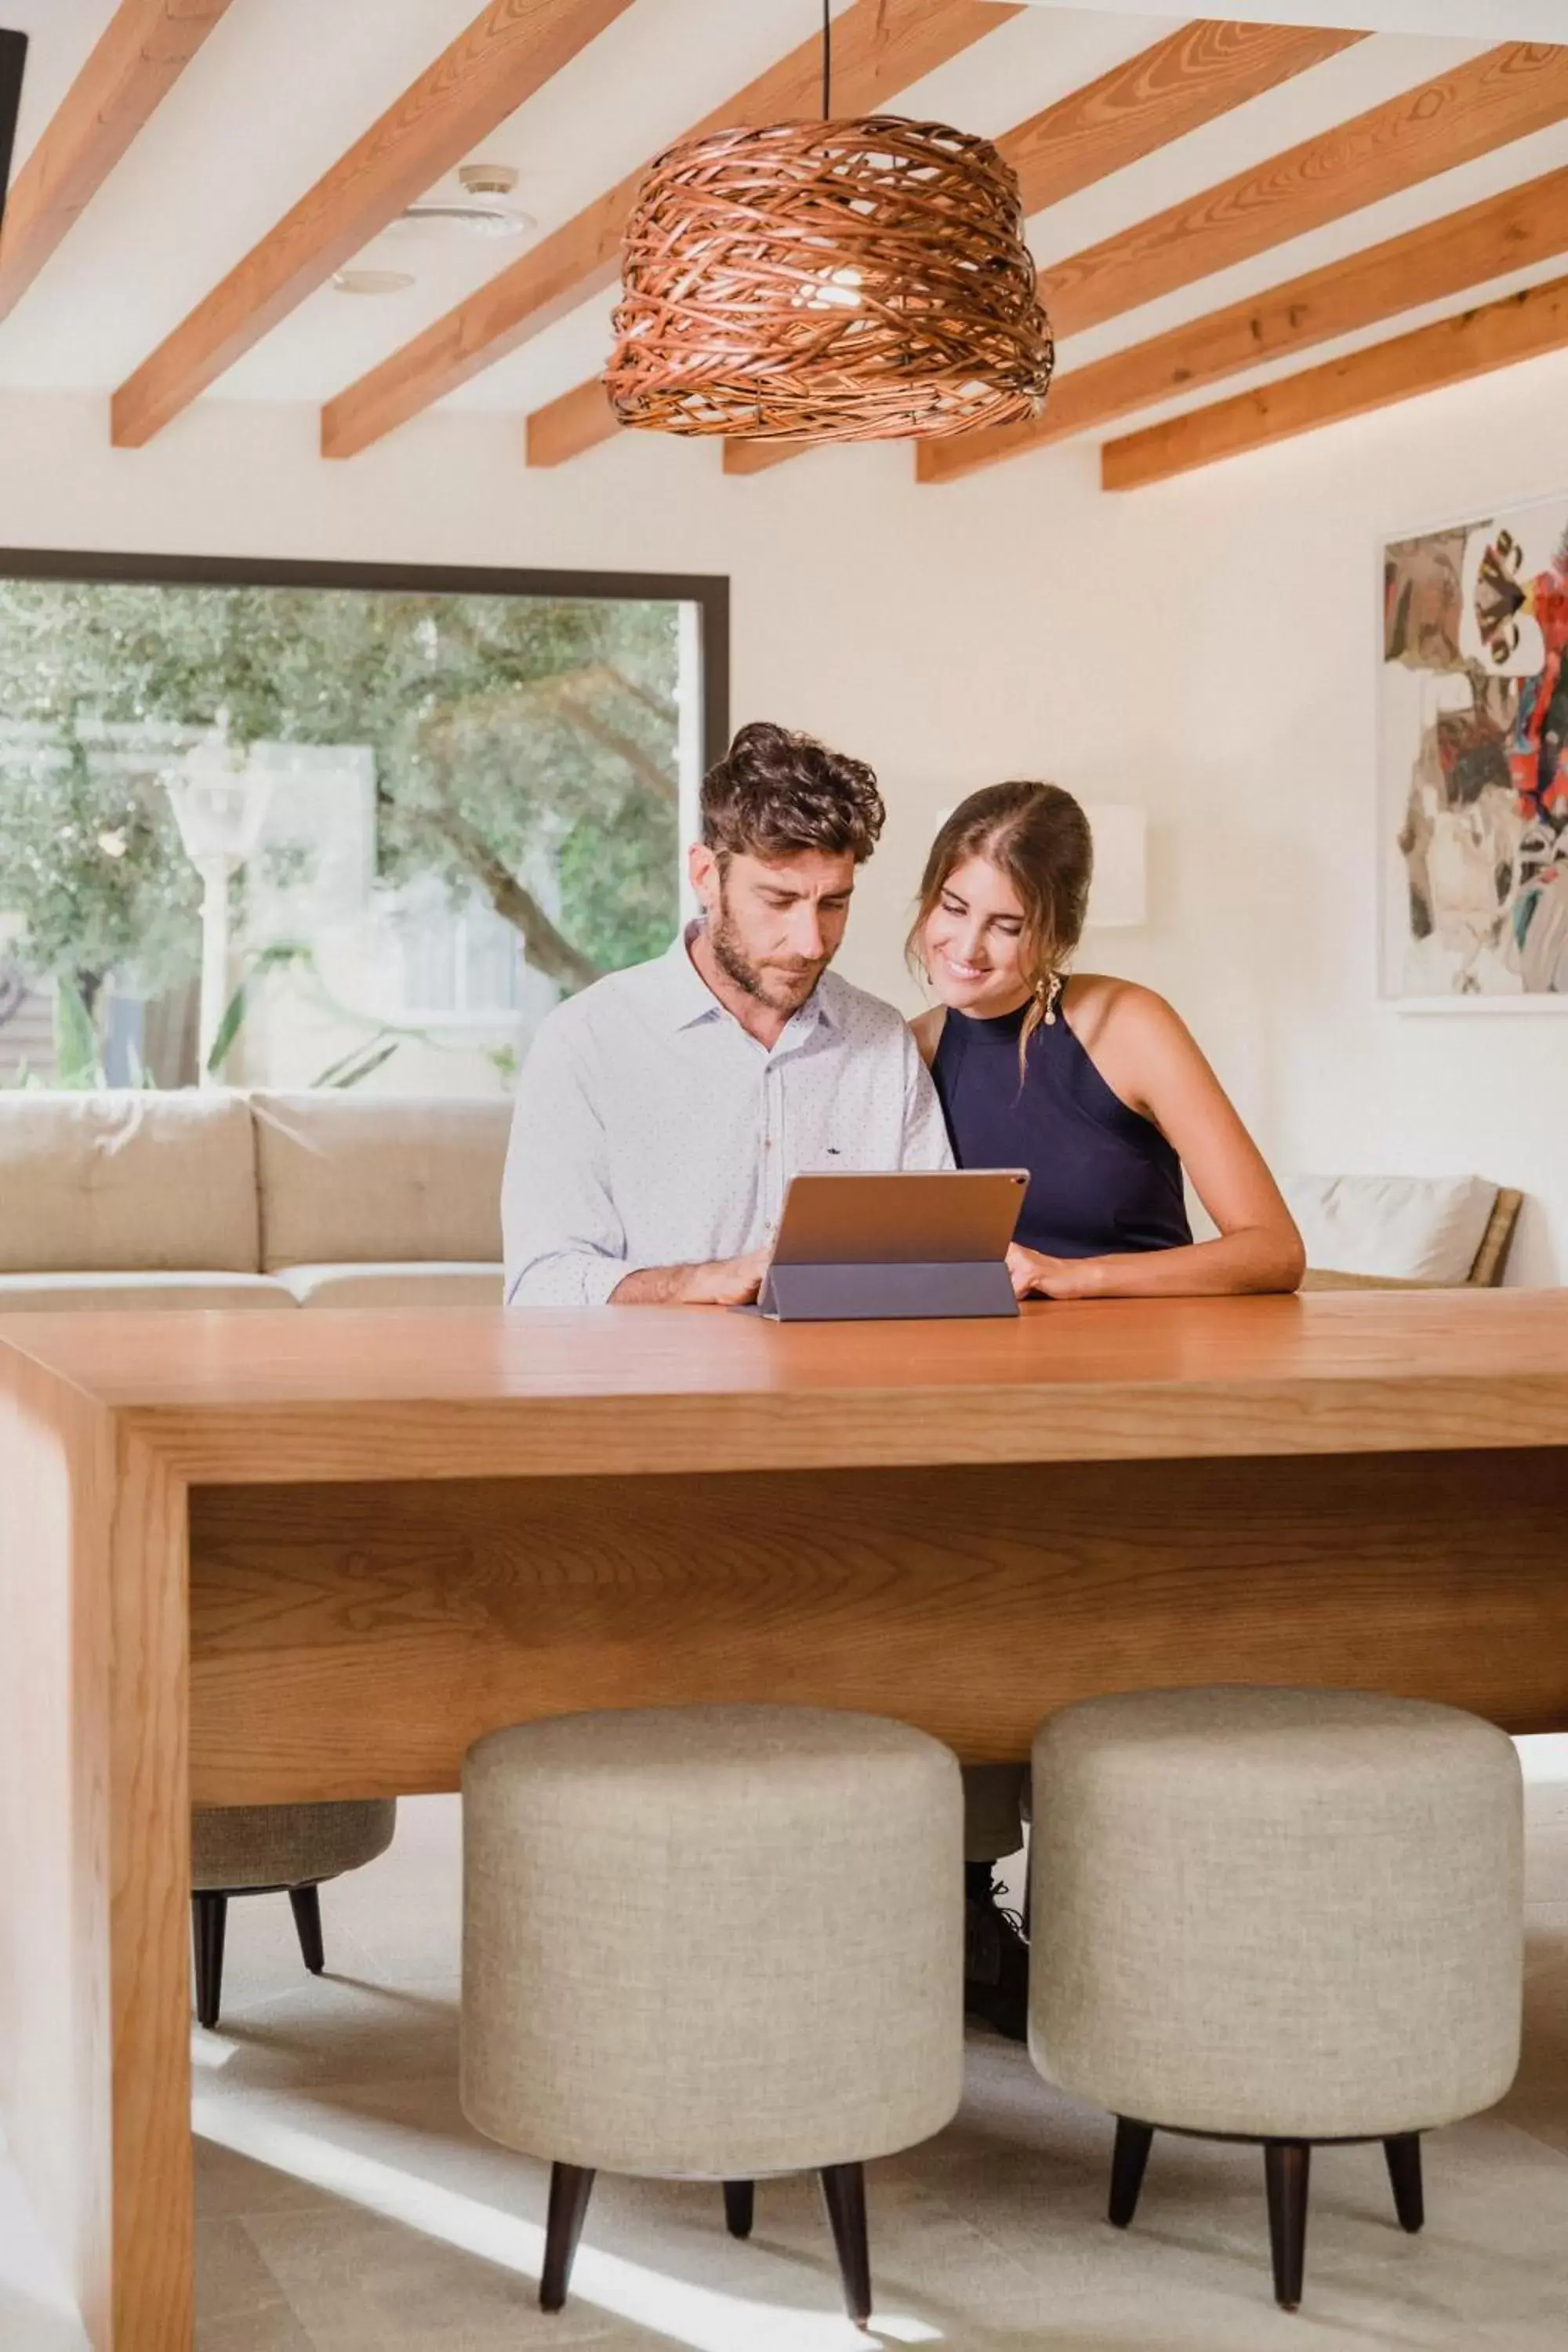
x,y
1101,1177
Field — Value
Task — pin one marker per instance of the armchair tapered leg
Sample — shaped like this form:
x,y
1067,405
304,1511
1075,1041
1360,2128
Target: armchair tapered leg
x,y
1130,2156
1404,2156
740,2204
844,2189
209,1917
305,1902
570,2185
1287,2167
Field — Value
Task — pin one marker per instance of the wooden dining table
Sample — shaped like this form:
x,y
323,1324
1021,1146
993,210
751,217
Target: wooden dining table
x,y
251,1556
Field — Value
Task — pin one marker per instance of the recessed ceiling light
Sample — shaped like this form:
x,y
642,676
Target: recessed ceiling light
x,y
371,281
484,208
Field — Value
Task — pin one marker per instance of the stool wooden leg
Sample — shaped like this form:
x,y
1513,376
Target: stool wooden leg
x,y
739,2203
1131,2155
1287,2165
1403,2155
570,2185
305,1902
209,1915
844,2187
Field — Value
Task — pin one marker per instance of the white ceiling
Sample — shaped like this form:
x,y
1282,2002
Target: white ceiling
x,y
282,86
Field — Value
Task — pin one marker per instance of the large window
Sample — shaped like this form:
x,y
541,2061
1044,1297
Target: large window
x,y
290,825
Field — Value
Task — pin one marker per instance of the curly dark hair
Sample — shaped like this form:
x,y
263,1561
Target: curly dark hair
x,y
775,794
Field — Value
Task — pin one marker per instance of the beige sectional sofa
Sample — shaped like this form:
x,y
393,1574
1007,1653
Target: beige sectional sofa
x,y
273,1200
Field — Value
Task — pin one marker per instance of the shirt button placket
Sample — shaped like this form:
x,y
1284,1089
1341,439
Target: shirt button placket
x,y
772,1178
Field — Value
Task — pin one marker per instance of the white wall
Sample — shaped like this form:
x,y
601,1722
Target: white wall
x,y
1206,648
1209,647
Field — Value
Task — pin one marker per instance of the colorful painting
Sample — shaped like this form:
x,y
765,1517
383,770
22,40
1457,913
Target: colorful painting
x,y
1473,772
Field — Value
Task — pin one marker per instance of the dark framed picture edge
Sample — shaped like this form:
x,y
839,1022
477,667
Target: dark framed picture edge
x,y
13,64
710,592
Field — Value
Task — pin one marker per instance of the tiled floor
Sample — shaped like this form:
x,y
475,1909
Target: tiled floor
x,y
343,2206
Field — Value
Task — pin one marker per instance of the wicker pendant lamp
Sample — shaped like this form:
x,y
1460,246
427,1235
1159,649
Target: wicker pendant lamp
x,y
828,281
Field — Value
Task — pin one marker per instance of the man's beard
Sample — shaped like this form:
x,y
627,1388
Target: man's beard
x,y
733,962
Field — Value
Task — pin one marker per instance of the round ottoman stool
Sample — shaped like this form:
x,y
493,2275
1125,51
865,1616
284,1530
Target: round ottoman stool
x,y
1282,1916
711,1943
272,1850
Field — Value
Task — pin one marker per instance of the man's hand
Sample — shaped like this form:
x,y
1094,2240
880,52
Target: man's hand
x,y
721,1282
726,1281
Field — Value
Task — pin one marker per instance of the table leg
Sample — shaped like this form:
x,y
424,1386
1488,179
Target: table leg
x,y
95,1826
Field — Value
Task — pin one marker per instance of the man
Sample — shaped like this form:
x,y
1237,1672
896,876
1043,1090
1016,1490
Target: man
x,y
662,1113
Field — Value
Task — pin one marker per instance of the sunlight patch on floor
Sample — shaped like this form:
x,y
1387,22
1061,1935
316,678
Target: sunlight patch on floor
x,y
692,2315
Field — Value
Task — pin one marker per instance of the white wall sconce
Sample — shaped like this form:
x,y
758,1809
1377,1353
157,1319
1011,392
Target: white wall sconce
x,y
1119,895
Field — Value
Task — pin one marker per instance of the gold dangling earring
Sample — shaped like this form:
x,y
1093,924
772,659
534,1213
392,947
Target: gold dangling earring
x,y
1048,991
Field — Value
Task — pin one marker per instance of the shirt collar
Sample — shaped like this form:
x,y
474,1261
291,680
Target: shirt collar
x,y
692,1001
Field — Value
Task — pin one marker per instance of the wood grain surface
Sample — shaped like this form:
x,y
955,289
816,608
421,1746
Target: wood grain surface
x,y
135,63
237,1398
1476,107
149,1878
1441,258
1497,335
352,1641
581,419
496,64
879,47
1192,76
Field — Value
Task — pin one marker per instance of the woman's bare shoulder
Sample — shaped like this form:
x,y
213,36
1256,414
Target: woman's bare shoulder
x,y
927,1029
1100,1006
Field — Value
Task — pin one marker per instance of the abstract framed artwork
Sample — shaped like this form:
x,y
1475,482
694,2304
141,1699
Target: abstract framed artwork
x,y
1473,763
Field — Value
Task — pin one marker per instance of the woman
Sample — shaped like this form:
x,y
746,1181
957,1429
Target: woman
x,y
1094,1085
1096,1088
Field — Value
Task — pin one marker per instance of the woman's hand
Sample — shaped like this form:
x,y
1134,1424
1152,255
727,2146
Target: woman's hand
x,y
1037,1277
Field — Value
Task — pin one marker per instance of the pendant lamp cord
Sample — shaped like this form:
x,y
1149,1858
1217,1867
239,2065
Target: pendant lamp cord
x,y
826,60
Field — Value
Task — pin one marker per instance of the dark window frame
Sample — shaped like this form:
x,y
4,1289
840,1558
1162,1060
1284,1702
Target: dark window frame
x,y
710,592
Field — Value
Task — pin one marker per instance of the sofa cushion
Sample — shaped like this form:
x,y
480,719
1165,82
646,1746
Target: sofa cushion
x,y
349,1178
434,1283
1418,1228
32,1294
133,1182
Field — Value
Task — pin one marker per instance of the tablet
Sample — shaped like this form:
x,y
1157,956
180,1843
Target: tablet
x,y
914,1243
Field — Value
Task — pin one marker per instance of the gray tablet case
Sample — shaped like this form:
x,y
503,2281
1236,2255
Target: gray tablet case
x,y
867,1248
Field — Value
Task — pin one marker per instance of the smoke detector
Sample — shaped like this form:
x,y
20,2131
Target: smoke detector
x,y
484,208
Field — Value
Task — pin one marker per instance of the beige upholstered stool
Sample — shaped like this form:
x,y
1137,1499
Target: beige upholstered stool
x,y
1284,1916
270,1850
711,1943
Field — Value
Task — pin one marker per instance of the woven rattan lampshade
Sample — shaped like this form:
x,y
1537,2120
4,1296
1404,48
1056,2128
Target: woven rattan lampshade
x,y
828,281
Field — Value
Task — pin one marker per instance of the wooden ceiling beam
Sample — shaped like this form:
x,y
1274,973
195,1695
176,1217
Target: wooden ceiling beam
x,y
758,456
140,56
1475,343
1431,264
1449,121
509,51
579,420
879,47
1195,74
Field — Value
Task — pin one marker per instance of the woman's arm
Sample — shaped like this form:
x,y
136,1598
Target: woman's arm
x,y
1149,1057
